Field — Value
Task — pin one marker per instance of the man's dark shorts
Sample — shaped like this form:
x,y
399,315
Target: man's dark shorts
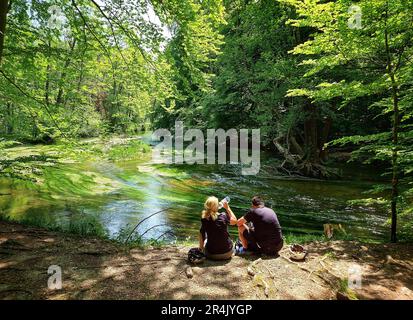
x,y
271,249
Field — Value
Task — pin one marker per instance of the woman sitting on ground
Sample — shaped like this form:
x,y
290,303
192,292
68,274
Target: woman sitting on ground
x,y
214,230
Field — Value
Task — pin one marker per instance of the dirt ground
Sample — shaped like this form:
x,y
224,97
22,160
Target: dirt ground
x,y
96,269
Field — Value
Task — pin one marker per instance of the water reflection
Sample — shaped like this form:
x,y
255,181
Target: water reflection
x,y
119,195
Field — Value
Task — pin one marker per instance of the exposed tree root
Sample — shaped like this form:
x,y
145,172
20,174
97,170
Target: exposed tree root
x,y
299,164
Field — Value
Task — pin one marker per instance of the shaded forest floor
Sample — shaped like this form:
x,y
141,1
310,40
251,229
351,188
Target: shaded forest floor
x,y
97,269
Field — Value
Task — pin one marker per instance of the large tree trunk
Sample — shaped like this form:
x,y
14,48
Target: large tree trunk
x,y
306,158
311,135
295,147
100,104
4,8
324,138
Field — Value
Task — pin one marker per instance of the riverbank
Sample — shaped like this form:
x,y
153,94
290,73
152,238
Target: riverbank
x,y
97,269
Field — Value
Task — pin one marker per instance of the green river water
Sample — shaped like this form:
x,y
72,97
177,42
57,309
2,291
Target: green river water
x,y
113,196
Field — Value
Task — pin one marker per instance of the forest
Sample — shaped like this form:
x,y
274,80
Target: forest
x,y
327,83
86,212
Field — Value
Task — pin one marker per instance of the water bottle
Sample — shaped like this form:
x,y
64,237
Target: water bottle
x,y
221,203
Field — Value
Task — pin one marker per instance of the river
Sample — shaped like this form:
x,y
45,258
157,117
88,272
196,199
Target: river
x,y
114,196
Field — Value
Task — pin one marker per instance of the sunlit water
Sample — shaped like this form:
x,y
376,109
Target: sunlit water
x,y
115,196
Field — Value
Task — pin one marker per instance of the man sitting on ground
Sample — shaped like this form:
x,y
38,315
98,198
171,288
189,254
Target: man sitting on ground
x,y
265,237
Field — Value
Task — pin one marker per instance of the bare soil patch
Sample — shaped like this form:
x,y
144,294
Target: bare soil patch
x,y
97,269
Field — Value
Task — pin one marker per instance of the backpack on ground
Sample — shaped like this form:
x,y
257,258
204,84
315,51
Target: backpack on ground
x,y
195,256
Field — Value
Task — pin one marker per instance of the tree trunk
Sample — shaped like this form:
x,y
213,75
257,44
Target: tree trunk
x,y
47,86
311,136
395,139
395,178
324,137
59,98
100,104
9,126
4,8
285,152
296,148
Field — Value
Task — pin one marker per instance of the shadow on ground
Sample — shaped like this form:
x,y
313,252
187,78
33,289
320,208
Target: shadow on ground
x,y
96,269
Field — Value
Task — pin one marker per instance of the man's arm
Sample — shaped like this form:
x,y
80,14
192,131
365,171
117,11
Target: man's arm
x,y
241,221
248,217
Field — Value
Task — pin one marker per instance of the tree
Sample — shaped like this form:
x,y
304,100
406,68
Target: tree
x,y
254,73
378,55
191,53
88,75
4,8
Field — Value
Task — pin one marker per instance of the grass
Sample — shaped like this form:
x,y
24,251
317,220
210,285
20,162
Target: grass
x,y
128,151
28,161
84,225
135,240
345,289
291,238
78,224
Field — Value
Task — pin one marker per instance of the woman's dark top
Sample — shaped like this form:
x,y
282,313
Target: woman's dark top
x,y
216,231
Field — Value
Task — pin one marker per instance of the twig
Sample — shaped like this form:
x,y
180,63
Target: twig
x,y
322,264
153,227
92,32
270,272
165,233
133,230
112,29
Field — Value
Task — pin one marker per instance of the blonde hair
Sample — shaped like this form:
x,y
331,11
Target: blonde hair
x,y
211,208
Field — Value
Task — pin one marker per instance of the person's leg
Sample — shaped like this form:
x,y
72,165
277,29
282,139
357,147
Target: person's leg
x,y
244,240
272,250
249,239
280,246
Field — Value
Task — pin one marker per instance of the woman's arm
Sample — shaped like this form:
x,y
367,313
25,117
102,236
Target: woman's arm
x,y
201,241
202,235
231,215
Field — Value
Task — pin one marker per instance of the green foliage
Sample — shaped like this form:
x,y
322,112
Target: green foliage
x,y
371,63
90,76
254,71
194,47
293,68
